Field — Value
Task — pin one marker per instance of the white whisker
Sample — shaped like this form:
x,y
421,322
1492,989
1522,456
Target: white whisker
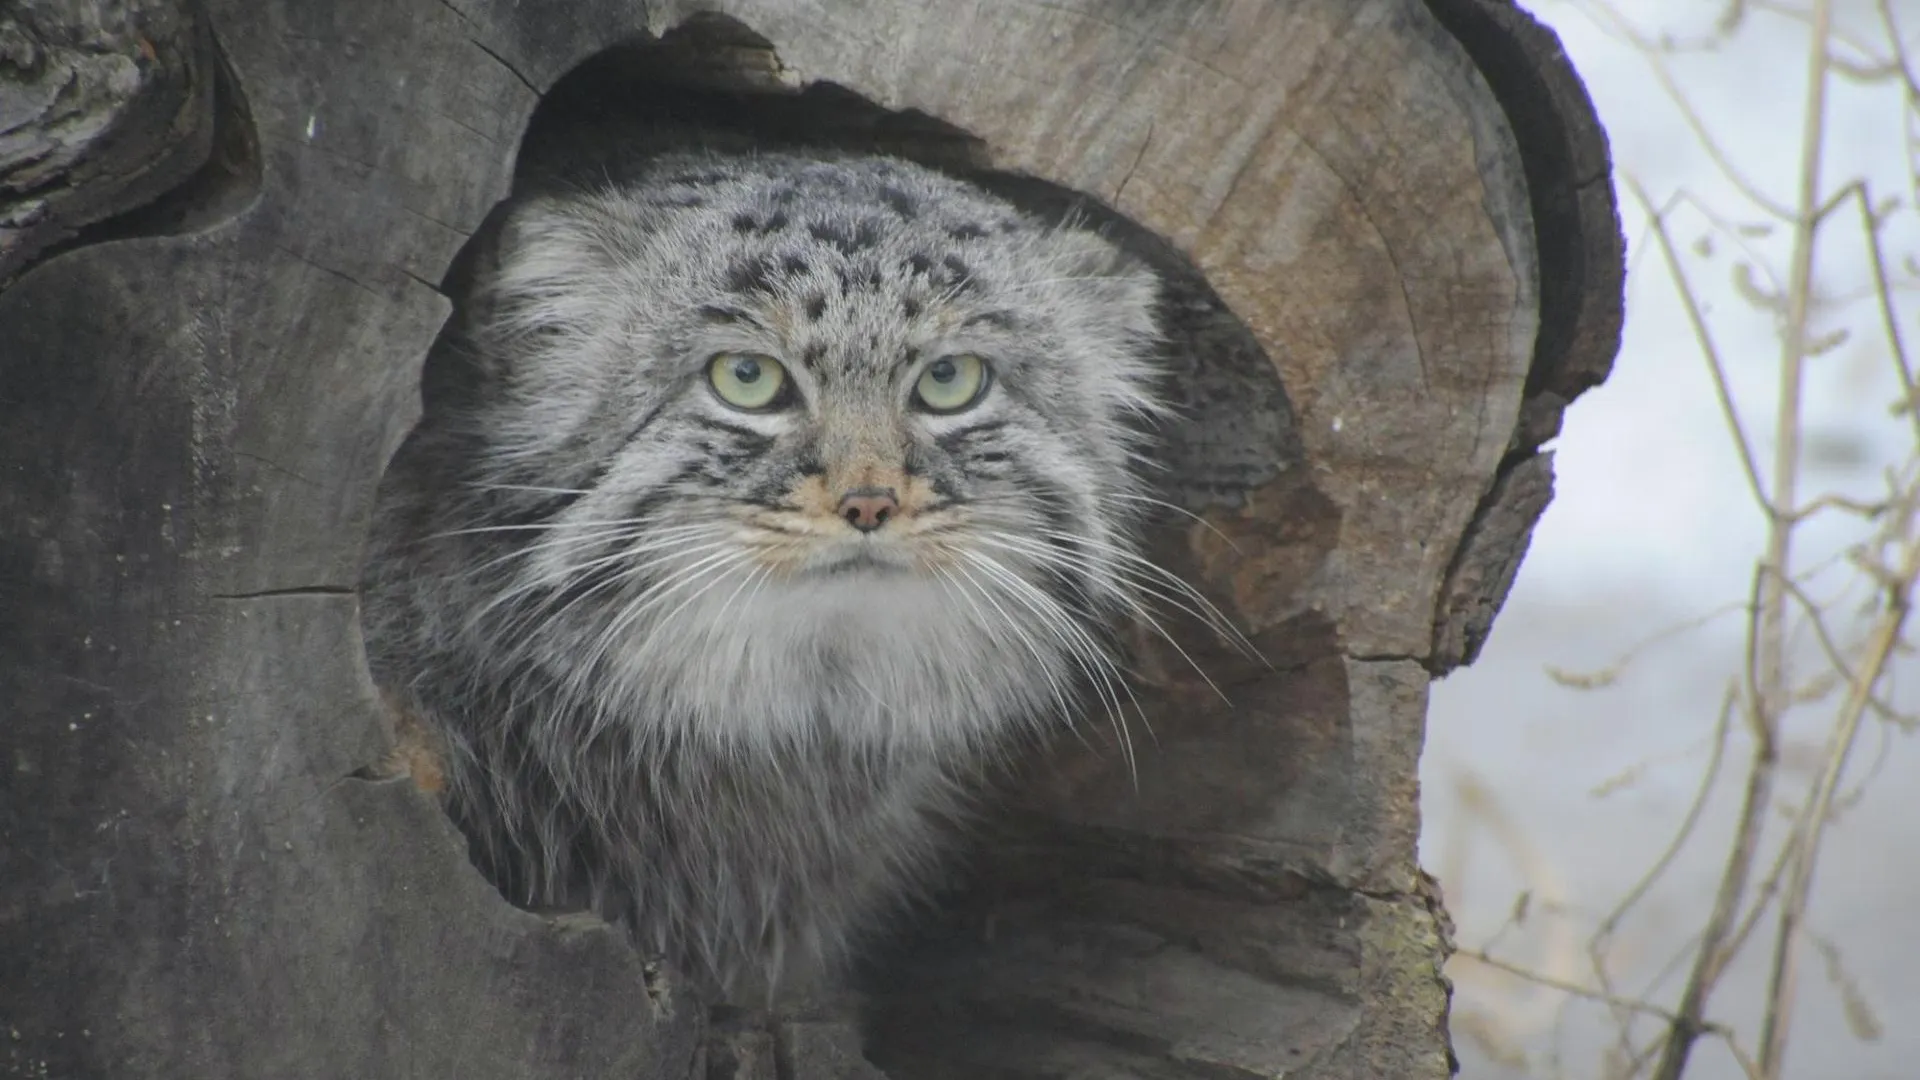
x,y
1149,500
1093,660
481,485
1049,556
1039,656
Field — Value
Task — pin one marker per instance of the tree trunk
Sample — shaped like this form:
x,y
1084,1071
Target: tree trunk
x,y
1395,260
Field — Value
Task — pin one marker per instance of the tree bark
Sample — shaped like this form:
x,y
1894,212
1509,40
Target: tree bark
x,y
1395,259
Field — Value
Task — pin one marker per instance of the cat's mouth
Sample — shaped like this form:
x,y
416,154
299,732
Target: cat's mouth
x,y
814,548
860,557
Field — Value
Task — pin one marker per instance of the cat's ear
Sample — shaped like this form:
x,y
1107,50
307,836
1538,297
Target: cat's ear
x,y
491,315
1113,286
1115,303
530,277
542,271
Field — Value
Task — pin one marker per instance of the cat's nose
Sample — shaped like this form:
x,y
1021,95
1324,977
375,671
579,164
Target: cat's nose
x,y
868,508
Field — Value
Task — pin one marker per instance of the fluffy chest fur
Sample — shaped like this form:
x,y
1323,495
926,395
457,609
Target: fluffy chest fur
x,y
774,500
912,668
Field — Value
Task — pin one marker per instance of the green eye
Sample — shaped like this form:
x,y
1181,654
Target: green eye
x,y
747,380
951,383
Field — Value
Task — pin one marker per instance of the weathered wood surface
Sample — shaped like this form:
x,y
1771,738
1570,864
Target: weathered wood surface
x,y
1403,210
107,104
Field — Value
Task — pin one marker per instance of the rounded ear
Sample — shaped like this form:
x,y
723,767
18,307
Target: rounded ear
x,y
1112,284
543,263
507,286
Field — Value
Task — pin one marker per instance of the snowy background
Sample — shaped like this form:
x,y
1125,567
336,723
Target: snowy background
x,y
1566,796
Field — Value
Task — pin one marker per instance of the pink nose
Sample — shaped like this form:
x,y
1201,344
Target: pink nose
x,y
868,508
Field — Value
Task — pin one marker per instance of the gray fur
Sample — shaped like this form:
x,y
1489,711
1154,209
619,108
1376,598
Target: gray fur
x,y
742,740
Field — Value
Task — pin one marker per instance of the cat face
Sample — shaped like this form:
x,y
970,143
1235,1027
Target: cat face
x,y
788,403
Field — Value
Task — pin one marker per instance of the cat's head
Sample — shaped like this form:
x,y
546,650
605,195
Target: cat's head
x,y
857,379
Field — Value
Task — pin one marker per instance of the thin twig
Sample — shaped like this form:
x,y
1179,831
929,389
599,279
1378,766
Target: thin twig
x,y
1835,656
1680,835
1902,367
1806,853
1899,47
1713,952
1838,502
1622,28
1900,57
1597,678
1763,897
1704,336
1852,41
1602,938
1614,1000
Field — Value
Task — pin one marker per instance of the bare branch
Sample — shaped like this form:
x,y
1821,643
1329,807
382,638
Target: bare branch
x,y
1731,413
1613,21
1768,629
1614,1000
1806,853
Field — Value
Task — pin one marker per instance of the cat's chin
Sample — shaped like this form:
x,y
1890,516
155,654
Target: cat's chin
x,y
861,566
859,560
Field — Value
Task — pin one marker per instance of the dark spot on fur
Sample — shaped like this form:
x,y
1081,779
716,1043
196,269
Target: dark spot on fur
x,y
746,223
969,231
794,265
752,275
913,462
909,307
862,236
943,485
900,203
953,274
716,313
813,354
918,263
816,307
857,279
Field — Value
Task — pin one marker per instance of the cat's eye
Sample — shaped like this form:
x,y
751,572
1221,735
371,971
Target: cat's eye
x,y
951,383
747,380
